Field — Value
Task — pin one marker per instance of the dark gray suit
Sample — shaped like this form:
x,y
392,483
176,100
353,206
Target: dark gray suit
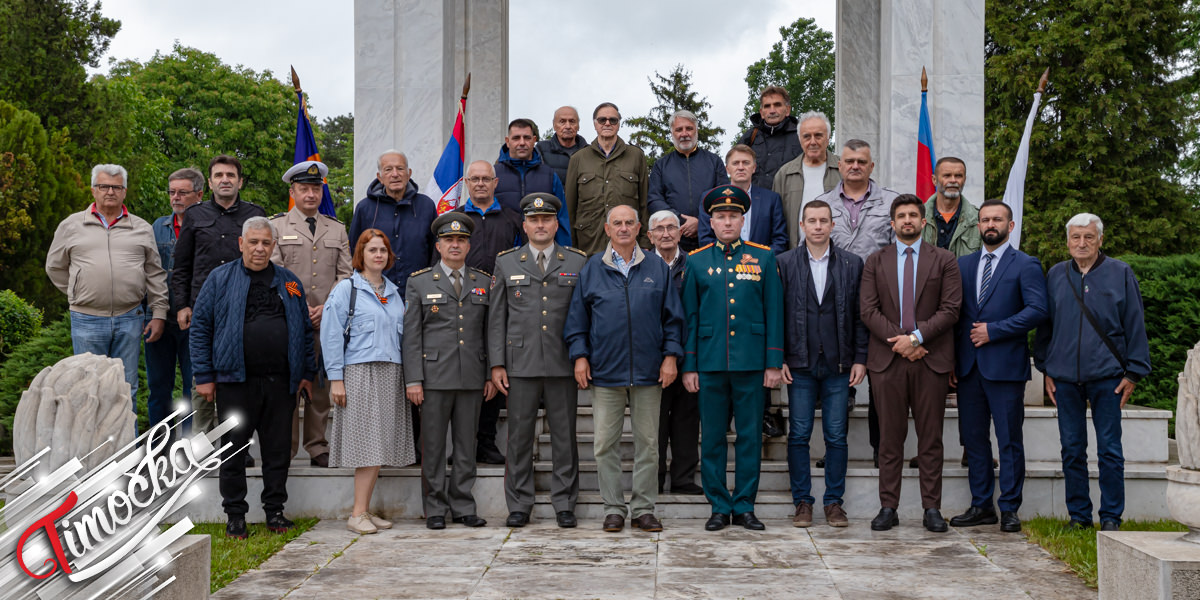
x,y
444,350
525,327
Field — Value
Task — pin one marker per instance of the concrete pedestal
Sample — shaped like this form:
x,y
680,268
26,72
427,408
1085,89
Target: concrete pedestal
x,y
1145,565
192,567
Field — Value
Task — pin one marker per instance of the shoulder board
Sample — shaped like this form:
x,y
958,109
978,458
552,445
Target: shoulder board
x,y
282,214
481,271
759,246
415,273
334,219
701,248
576,251
503,252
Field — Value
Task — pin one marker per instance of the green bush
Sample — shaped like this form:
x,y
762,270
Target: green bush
x,y
1171,294
49,346
19,321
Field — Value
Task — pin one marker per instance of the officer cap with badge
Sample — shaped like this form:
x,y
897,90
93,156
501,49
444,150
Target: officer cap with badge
x,y
726,197
309,171
540,203
452,223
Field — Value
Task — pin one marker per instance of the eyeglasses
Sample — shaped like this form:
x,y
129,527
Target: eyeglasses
x,y
173,193
608,120
105,188
480,179
661,229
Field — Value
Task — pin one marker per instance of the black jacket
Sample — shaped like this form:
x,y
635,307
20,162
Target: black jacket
x,y
845,272
208,238
773,146
557,157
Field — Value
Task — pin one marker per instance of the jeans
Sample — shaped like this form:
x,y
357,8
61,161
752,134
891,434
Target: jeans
x,y
115,337
161,358
1072,400
832,391
608,411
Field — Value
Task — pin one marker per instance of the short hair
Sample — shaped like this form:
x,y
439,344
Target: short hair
x,y
259,224
608,215
744,149
596,112
225,159
952,159
905,200
111,171
683,114
390,152
567,107
191,174
995,202
524,124
663,215
360,249
777,91
816,204
1083,220
814,114
856,144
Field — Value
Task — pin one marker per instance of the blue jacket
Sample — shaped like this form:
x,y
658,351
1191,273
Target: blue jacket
x,y
406,223
842,281
624,326
678,182
164,238
1015,303
215,337
767,224
375,332
1068,348
519,178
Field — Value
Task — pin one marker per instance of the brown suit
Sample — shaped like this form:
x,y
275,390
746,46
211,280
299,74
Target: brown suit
x,y
901,384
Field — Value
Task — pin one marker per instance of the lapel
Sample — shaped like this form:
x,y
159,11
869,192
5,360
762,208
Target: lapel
x,y
322,228
299,225
830,273
442,282
997,272
554,259
892,277
924,266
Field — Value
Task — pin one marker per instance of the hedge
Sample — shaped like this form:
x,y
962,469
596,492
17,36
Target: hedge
x,y
19,321
1171,294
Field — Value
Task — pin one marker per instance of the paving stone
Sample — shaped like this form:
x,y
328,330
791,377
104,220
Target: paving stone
x,y
759,554
395,583
567,583
253,585
761,584
580,553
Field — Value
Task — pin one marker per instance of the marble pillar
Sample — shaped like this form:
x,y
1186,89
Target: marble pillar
x,y
882,45
410,60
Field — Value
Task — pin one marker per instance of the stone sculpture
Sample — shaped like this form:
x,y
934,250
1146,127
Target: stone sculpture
x,y
1183,481
75,407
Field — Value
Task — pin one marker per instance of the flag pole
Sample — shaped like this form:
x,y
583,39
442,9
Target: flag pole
x,y
1014,188
924,80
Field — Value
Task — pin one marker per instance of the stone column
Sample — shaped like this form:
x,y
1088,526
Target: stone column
x,y
881,49
410,60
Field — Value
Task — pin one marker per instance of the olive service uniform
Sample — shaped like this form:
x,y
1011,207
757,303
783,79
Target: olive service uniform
x,y
321,243
733,300
444,350
525,336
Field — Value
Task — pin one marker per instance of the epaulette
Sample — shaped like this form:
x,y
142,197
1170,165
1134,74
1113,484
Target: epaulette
x,y
282,214
415,273
503,252
334,219
485,273
759,246
576,251
700,248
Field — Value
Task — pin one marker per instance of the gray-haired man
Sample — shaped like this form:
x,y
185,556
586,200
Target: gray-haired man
x,y
809,175
680,178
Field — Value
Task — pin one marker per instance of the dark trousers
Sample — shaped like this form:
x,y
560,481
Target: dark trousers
x,y
981,403
489,416
458,409
560,397
161,358
872,415
1073,402
720,393
262,404
905,386
678,428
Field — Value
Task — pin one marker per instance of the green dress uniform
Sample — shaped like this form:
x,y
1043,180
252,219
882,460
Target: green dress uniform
x,y
733,300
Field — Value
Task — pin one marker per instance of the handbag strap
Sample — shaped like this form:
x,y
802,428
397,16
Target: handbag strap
x,y
1096,326
349,317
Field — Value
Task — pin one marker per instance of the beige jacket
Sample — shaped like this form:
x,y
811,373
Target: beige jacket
x,y
107,272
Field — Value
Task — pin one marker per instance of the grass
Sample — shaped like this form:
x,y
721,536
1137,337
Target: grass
x,y
231,558
1078,548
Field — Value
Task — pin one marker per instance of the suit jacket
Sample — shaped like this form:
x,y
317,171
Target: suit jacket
x,y
441,350
938,297
1014,305
767,224
528,310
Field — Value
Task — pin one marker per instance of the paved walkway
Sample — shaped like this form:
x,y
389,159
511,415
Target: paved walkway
x,y
684,561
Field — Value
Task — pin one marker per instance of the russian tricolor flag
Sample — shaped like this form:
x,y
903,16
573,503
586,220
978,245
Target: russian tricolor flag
x,y
445,185
925,155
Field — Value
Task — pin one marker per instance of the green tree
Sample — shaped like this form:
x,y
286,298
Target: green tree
x,y
1112,123
674,92
801,62
335,138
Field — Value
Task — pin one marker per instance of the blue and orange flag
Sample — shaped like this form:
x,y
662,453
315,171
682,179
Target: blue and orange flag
x,y
306,149
925,155
445,184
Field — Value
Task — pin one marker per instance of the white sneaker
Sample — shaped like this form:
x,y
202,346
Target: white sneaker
x,y
361,524
379,523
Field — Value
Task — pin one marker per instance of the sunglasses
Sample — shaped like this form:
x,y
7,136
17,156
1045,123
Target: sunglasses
x,y
608,120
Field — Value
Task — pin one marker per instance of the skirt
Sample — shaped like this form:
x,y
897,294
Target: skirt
x,y
375,427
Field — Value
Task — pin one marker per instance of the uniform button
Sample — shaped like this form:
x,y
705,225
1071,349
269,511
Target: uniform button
x,y
730,283
543,327
732,301
424,355
509,342
460,342
543,313
314,275
731,333
544,298
460,328
544,284
460,303
314,261
728,258
314,247
732,317
460,317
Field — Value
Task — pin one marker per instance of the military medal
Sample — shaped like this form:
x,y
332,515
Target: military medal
x,y
434,309
517,294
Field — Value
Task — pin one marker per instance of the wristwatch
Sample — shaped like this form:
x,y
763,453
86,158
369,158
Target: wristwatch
x,y
913,338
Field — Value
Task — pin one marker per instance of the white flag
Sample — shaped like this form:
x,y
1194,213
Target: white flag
x,y
1014,190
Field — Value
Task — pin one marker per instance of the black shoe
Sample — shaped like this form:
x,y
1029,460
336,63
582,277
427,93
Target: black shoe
x,y
770,427
235,527
875,458
749,521
517,519
1009,522
687,489
912,463
470,521
885,520
975,516
963,462
1079,526
249,461
717,522
278,523
566,519
435,523
934,522
820,463
1110,526
320,460
487,453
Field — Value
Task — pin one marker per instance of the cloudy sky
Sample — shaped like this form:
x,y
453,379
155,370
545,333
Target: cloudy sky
x,y
554,41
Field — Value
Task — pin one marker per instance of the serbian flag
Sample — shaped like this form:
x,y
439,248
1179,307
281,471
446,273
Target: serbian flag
x,y
306,149
925,155
1014,189
445,185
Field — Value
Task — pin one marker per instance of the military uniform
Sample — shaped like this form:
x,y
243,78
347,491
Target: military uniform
x,y
445,351
733,300
525,336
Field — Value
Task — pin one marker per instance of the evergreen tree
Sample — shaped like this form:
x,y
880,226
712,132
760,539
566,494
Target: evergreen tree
x,y
674,92
801,62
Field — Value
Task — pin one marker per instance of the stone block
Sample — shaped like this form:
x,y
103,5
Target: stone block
x,y
191,567
1147,565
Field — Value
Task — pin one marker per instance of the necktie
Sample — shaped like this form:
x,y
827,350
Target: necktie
x,y
457,278
312,225
908,315
542,262
987,275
